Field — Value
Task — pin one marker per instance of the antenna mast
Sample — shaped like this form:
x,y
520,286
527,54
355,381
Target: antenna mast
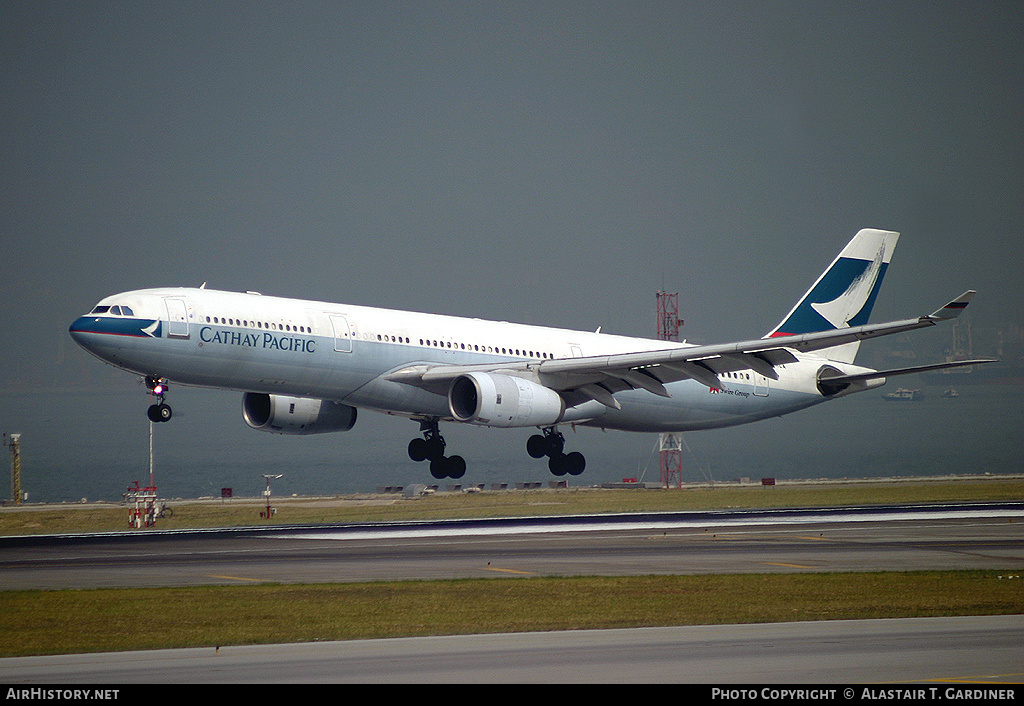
x,y
15,444
670,445
668,316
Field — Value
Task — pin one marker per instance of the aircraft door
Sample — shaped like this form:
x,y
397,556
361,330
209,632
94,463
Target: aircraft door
x,y
177,318
760,385
342,333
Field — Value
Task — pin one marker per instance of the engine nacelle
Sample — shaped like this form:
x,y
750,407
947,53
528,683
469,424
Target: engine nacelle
x,y
831,384
495,400
295,415
826,388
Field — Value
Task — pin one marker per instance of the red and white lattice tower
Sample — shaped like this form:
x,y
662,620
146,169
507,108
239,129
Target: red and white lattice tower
x,y
668,316
670,449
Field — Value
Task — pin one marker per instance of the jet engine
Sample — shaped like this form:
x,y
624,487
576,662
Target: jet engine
x,y
295,415
495,400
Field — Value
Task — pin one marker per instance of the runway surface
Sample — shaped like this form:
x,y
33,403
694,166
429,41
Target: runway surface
x,y
898,538
941,651
959,536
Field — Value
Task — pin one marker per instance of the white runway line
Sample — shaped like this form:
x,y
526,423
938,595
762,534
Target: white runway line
x,y
599,525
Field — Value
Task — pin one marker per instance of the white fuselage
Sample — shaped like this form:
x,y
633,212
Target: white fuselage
x,y
277,346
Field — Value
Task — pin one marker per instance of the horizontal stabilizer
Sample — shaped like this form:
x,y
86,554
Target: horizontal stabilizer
x,y
841,381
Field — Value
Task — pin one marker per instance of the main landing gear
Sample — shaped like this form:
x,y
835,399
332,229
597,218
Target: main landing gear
x,y
431,447
551,444
161,411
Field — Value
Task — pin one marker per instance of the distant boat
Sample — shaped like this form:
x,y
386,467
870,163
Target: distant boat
x,y
950,392
903,395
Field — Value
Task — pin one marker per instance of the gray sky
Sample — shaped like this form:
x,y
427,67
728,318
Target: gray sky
x,y
552,163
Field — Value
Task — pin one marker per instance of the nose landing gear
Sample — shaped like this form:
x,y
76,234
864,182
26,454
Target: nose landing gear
x,y
552,444
431,448
161,411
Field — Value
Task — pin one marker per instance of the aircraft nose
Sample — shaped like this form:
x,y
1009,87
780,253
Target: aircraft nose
x,y
79,331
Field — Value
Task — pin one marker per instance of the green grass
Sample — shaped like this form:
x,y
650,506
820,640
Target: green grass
x,y
75,621
55,622
56,519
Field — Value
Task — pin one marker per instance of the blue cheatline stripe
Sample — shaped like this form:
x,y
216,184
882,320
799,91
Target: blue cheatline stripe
x,y
113,326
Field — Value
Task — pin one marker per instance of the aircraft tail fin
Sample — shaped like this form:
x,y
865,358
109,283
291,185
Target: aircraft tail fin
x,y
844,294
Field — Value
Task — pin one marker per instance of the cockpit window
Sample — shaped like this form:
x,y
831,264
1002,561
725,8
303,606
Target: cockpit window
x,y
116,310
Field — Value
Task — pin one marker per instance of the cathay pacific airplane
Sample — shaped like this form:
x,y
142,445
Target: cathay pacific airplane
x,y
306,367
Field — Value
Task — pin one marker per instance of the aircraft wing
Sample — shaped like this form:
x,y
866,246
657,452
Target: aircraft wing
x,y
598,377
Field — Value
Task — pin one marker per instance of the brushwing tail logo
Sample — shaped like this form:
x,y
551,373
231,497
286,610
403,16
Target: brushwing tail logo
x,y
847,305
845,293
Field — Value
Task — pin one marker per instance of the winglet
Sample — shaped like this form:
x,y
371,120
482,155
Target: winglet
x,y
954,308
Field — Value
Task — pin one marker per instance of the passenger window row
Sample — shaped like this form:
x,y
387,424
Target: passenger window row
x,y
229,321
476,348
270,326
485,349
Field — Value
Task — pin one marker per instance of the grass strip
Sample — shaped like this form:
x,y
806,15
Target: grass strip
x,y
105,620
57,519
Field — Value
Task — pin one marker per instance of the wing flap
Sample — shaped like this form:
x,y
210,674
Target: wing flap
x,y
641,379
601,394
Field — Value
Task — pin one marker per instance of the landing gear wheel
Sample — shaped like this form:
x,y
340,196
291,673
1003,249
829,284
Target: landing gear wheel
x,y
575,463
448,467
434,448
157,386
418,450
456,466
536,446
437,468
431,448
159,412
552,444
